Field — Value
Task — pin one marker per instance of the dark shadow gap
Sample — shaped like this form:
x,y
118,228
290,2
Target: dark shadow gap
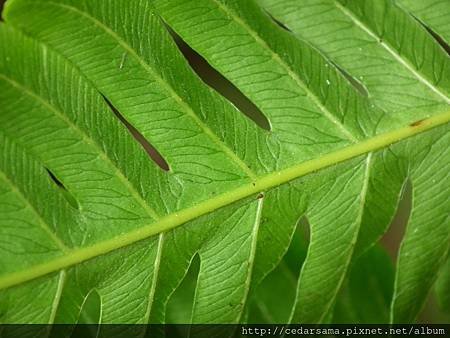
x,y
353,81
149,149
87,325
180,304
272,300
220,83
90,311
278,22
66,193
88,321
392,239
438,39
2,5
435,36
298,248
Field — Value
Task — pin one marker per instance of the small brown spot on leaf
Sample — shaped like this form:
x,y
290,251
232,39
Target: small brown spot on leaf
x,y
417,123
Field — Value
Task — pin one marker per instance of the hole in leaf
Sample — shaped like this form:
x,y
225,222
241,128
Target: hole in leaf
x,y
179,306
278,22
87,325
220,83
298,248
393,237
66,193
2,4
439,39
273,298
435,36
353,81
149,149
90,311
88,321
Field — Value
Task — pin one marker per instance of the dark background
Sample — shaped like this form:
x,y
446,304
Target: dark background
x,y
1,4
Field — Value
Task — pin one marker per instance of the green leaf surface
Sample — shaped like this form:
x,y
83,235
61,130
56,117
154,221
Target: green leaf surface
x,y
378,44
435,14
368,290
86,86
443,287
272,300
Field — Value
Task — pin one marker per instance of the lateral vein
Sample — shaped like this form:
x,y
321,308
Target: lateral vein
x,y
43,225
208,132
150,211
391,51
326,113
263,183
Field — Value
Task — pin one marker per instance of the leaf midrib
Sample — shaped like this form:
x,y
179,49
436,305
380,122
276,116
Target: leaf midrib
x,y
262,183
64,249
